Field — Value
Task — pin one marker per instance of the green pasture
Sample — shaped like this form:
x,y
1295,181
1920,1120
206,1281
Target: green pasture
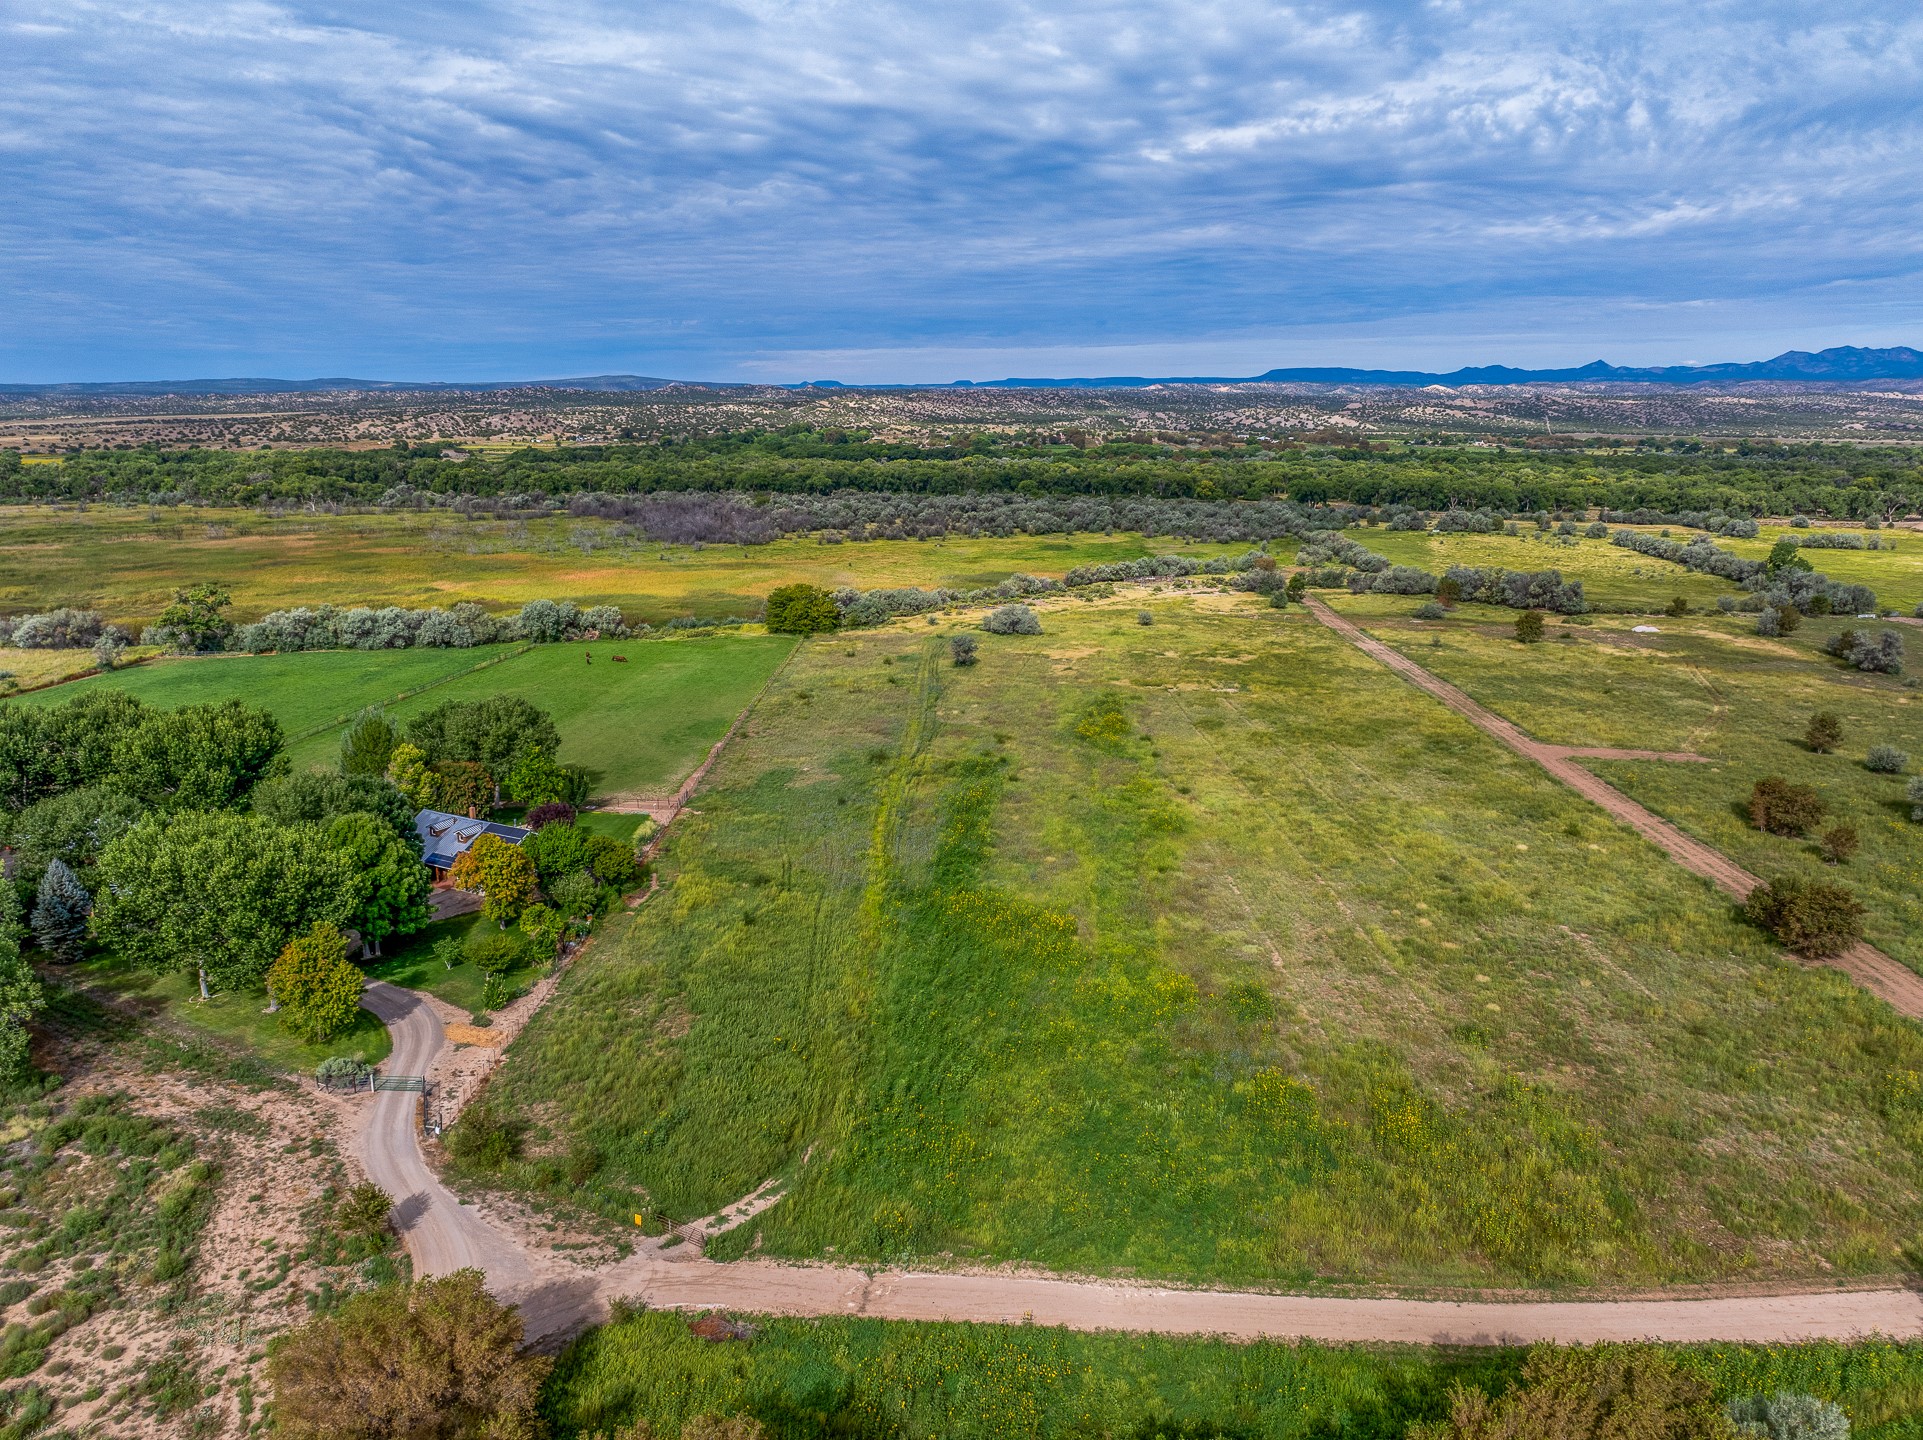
x,y
1205,950
127,562
641,725
1895,573
1613,579
1712,686
236,1019
820,1378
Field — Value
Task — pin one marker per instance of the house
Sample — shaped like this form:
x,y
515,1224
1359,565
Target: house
x,y
445,837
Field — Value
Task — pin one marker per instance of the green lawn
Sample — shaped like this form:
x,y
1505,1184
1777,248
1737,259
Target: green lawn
x,y
412,965
835,1377
641,725
1614,579
1279,973
233,1018
1713,686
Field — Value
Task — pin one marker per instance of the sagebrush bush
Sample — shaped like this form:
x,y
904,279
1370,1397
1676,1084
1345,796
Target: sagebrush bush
x,y
1886,760
1915,797
1428,610
1811,917
1012,620
1784,1416
1781,808
962,649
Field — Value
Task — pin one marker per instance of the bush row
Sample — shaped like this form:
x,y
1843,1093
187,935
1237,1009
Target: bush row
x,y
327,627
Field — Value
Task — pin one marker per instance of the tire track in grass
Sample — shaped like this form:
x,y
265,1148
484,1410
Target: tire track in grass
x,y
1896,984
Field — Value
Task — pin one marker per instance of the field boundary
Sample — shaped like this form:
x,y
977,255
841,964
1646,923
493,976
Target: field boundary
x,y
1894,983
451,675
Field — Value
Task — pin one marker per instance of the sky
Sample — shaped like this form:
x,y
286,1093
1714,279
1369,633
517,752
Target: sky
x,y
788,190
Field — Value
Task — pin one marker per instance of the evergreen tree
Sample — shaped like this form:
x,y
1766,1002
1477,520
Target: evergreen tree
x,y
368,745
60,911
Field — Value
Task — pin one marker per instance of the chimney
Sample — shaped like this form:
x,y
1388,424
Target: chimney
x,y
470,813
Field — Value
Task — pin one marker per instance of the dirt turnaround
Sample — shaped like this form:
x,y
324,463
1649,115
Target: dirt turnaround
x,y
1894,983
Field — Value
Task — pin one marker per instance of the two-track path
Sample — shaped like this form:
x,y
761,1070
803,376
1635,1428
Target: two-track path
x,y
1876,972
557,1297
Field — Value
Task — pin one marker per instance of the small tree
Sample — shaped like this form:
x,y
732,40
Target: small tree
x,y
439,1359
194,621
576,895
1678,607
1839,843
503,875
408,773
1298,585
369,744
1825,732
1788,619
536,779
1811,917
1780,808
462,786
1786,554
543,927
1529,627
1448,589
1886,760
60,910
364,1210
449,951
802,610
962,649
316,987
21,997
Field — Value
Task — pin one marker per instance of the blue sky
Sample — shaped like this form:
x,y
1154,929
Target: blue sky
x,y
787,190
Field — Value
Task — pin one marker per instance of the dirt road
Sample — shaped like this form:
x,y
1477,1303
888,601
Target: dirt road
x,y
558,1297
1897,984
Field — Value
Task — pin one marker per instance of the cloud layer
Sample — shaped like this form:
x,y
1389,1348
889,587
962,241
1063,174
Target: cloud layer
x,y
785,188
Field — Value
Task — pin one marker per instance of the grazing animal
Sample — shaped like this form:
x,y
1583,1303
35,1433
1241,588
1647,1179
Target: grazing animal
x,y
590,656
620,659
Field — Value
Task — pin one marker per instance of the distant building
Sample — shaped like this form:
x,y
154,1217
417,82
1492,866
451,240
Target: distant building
x,y
445,837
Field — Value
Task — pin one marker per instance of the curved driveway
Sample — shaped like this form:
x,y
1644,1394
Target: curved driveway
x,y
557,1297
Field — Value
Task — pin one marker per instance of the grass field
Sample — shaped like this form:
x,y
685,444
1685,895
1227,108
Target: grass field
x,y
1206,950
128,562
1712,686
1896,575
411,964
640,726
805,1378
1613,579
233,1019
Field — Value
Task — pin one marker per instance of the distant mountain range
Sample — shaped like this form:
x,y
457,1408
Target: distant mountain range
x,y
1842,365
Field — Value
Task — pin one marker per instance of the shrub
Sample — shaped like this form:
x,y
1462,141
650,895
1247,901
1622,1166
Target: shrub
x,y
483,1139
1428,610
1811,917
578,894
1597,530
1915,796
549,812
1678,606
1839,843
1581,1391
1299,584
961,649
1767,623
1012,620
437,1358
1529,627
802,610
1825,732
1788,619
316,986
496,952
338,1069
1882,655
1886,760
1144,617
1780,808
1785,1416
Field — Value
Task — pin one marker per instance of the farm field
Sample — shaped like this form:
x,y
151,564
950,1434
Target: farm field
x,y
844,1376
1204,950
1712,686
641,726
1613,579
127,562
